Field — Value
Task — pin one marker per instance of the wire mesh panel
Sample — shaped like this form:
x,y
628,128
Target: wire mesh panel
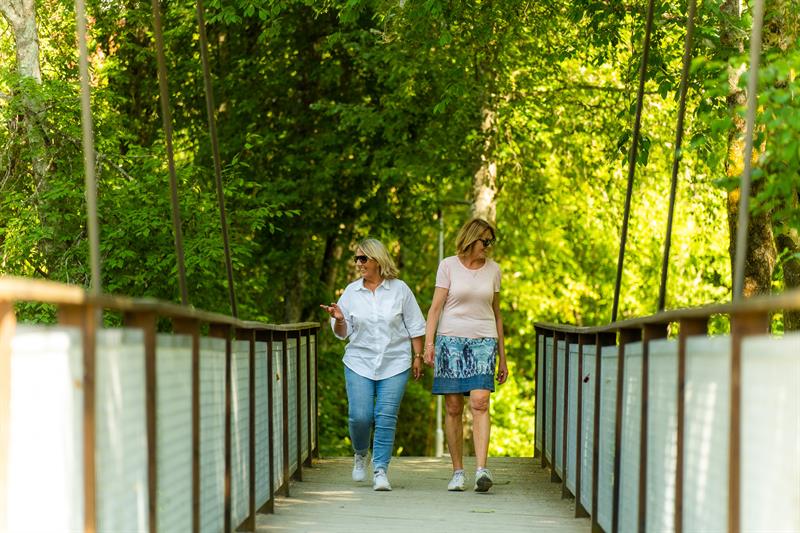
x,y
262,426
291,376
548,401
572,417
539,387
45,449
606,436
174,431
662,434
212,434
559,399
277,411
240,432
120,432
770,434
705,438
304,396
588,382
630,438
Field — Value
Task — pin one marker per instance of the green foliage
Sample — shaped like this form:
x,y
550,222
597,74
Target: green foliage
x,y
348,118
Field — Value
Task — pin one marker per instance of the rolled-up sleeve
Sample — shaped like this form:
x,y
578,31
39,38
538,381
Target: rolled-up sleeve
x,y
412,314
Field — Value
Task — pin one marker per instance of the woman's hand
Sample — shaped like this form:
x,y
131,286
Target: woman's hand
x,y
417,368
502,371
334,311
429,354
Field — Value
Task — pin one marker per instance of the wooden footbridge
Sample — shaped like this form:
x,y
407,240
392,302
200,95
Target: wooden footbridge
x,y
181,420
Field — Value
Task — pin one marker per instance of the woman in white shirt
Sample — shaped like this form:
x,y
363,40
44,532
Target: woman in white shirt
x,y
379,315
464,336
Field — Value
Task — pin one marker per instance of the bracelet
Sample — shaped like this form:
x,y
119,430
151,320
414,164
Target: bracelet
x,y
431,344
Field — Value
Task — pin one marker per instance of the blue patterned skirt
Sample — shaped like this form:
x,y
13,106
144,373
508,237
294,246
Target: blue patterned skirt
x,y
464,364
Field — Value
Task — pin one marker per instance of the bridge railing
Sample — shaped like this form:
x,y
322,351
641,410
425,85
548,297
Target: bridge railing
x,y
130,428
689,432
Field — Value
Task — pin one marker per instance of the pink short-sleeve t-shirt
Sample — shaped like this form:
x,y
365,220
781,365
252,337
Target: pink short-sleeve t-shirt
x,y
468,309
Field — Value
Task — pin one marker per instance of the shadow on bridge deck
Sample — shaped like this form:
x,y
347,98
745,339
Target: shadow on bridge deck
x,y
522,499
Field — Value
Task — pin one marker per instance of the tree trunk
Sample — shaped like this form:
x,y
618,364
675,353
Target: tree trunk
x,y
21,15
484,182
790,241
760,255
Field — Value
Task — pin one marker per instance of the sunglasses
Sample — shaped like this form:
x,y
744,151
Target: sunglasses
x,y
361,259
487,242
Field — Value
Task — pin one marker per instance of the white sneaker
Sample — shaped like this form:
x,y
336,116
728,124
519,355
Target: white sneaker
x,y
380,481
483,480
359,467
457,483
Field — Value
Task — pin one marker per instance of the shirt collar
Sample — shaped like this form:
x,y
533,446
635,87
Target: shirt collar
x,y
385,284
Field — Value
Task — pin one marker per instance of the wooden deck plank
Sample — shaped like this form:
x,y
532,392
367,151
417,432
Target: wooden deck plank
x,y
522,499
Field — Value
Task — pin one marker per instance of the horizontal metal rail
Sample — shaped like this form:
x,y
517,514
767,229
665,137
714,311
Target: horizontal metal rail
x,y
285,356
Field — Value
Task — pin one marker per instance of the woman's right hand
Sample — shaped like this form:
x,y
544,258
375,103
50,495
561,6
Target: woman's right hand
x,y
334,311
429,354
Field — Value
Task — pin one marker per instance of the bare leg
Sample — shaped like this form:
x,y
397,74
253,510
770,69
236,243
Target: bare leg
x,y
479,405
454,406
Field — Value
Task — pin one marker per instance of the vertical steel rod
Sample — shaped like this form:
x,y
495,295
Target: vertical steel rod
x,y
90,182
632,156
676,161
212,132
744,188
166,119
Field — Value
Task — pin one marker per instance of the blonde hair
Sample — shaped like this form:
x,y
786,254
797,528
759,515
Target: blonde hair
x,y
471,232
374,249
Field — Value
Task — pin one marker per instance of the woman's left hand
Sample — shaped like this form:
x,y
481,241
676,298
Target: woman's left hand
x,y
417,368
502,372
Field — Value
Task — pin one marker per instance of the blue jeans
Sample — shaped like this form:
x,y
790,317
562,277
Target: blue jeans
x,y
374,401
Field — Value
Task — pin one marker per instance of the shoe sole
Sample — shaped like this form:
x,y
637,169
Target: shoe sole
x,y
382,489
359,478
483,484
455,489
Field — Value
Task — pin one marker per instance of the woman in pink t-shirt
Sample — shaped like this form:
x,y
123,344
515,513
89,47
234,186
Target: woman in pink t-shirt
x,y
465,334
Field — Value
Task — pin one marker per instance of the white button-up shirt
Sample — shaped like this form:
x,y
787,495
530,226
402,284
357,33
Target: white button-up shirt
x,y
380,326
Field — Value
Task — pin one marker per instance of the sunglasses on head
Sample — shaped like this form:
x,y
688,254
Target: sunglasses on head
x,y
487,242
361,259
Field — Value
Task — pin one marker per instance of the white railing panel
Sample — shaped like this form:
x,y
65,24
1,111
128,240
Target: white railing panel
x,y
630,438
572,417
548,401
539,407
262,426
706,434
608,409
587,425
561,362
770,434
212,434
304,395
45,431
662,434
240,432
121,432
174,431
291,375
277,378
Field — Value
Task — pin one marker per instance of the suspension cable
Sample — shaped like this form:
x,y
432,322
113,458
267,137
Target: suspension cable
x,y
632,156
212,131
676,161
166,118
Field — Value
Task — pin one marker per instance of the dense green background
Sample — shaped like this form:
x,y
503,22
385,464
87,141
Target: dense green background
x,y
346,118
